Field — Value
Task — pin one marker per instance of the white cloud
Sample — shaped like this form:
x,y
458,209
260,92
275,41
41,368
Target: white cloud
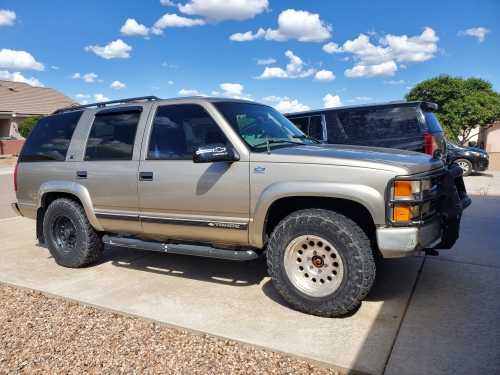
x,y
287,105
268,61
330,101
477,32
324,75
117,85
384,69
100,98
170,82
223,10
174,20
331,48
18,77
382,59
7,17
117,49
232,90
292,24
54,67
188,92
82,96
296,68
87,77
360,99
20,60
167,3
131,27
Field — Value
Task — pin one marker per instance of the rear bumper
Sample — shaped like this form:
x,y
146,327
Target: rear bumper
x,y
15,208
405,241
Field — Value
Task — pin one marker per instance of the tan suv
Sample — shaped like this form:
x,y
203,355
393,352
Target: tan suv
x,y
233,179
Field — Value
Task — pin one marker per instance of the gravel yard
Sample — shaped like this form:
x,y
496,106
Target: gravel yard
x,y
40,334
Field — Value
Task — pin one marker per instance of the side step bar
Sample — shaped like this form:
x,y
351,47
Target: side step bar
x,y
196,250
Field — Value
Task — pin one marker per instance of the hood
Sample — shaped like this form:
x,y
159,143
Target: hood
x,y
399,161
475,149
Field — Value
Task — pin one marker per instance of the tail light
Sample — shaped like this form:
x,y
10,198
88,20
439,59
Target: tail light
x,y
430,144
15,176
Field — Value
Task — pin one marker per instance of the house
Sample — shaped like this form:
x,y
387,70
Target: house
x,y
18,101
490,139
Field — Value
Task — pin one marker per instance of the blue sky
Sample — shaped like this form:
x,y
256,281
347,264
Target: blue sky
x,y
312,53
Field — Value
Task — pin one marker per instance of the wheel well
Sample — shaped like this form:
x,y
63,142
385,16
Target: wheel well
x,y
46,200
353,210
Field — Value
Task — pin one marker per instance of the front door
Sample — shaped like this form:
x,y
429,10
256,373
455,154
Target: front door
x,y
179,199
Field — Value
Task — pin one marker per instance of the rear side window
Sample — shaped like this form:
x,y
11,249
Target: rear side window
x,y
49,140
112,136
178,130
301,122
365,124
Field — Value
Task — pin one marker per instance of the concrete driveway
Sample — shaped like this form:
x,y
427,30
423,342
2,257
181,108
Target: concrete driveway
x,y
433,315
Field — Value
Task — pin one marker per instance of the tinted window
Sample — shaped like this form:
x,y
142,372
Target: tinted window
x,y
178,130
112,136
260,125
49,140
301,122
365,124
316,127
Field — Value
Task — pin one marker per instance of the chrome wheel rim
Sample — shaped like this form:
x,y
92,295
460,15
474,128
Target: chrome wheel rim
x,y
464,165
313,265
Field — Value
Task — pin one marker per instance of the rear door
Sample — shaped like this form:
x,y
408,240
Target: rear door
x,y
108,165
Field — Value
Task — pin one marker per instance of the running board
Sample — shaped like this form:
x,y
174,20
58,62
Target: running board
x,y
196,250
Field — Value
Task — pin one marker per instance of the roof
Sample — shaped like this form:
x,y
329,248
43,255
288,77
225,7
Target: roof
x,y
21,98
396,103
128,101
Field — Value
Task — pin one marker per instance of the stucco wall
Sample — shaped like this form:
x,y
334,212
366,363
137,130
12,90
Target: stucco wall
x,y
493,146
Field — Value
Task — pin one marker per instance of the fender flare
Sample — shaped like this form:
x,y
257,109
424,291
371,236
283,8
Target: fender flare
x,y
364,195
73,188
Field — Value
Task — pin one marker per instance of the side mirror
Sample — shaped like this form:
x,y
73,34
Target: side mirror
x,y
214,153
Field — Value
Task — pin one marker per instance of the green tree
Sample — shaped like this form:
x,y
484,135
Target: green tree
x,y
464,104
28,124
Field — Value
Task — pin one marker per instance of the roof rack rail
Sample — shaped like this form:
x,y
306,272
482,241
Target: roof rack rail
x,y
104,104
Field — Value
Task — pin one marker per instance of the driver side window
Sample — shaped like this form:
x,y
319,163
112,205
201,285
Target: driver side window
x,y
178,130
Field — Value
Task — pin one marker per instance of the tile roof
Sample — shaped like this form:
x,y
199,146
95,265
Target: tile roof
x,y
21,98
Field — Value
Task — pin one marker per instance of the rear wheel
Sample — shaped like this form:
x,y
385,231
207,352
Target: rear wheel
x,y
71,240
321,262
465,165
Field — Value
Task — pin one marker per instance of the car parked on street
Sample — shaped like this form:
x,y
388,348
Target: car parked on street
x,y
235,180
470,159
402,125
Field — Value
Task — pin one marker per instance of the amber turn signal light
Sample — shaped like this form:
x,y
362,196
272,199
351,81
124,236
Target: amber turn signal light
x,y
401,214
402,189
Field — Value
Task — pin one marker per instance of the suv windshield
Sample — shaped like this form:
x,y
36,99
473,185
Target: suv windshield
x,y
260,125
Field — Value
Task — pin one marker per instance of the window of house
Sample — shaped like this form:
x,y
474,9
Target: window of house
x,y
112,136
50,138
178,130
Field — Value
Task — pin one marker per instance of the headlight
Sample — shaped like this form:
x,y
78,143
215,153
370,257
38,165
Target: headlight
x,y
407,198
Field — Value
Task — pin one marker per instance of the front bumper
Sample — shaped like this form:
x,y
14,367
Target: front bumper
x,y
440,232
480,164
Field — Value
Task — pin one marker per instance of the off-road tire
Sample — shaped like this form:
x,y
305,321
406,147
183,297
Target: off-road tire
x,y
350,242
88,245
466,166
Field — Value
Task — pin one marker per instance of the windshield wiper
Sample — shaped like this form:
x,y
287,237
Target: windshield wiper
x,y
305,136
269,141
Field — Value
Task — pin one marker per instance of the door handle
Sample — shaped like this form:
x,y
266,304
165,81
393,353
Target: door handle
x,y
146,176
81,174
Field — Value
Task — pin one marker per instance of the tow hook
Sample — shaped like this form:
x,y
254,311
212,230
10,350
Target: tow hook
x,y
431,252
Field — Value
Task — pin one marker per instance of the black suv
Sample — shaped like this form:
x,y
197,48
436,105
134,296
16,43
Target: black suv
x,y
470,159
401,125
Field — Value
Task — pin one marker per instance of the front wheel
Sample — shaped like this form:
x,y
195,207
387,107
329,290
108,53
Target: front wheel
x,y
321,262
465,165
